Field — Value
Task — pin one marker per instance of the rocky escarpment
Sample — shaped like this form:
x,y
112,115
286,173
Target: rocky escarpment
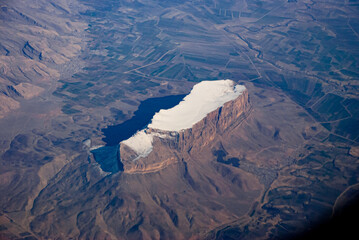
x,y
171,146
216,122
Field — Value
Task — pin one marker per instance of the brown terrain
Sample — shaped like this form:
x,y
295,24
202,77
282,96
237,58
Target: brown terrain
x,y
271,164
174,192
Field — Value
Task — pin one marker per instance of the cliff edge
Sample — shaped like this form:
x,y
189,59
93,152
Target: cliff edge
x,y
154,148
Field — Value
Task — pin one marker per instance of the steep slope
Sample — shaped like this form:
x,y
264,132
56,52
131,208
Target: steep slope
x,y
206,113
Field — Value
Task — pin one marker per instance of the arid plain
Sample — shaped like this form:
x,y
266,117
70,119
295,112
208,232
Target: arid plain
x,y
70,68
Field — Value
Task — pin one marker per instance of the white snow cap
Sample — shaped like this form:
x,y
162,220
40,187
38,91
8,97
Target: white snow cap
x,y
141,143
204,98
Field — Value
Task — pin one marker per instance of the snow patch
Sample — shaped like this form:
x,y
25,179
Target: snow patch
x,y
87,143
141,143
204,98
96,147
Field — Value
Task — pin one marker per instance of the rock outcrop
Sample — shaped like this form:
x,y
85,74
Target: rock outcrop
x,y
171,146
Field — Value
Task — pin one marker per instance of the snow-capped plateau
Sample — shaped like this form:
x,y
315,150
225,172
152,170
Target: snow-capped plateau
x,y
204,98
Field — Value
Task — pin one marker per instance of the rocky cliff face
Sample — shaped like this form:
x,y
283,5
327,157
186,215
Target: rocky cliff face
x,y
169,147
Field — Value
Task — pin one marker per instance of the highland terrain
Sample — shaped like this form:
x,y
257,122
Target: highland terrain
x,y
70,69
